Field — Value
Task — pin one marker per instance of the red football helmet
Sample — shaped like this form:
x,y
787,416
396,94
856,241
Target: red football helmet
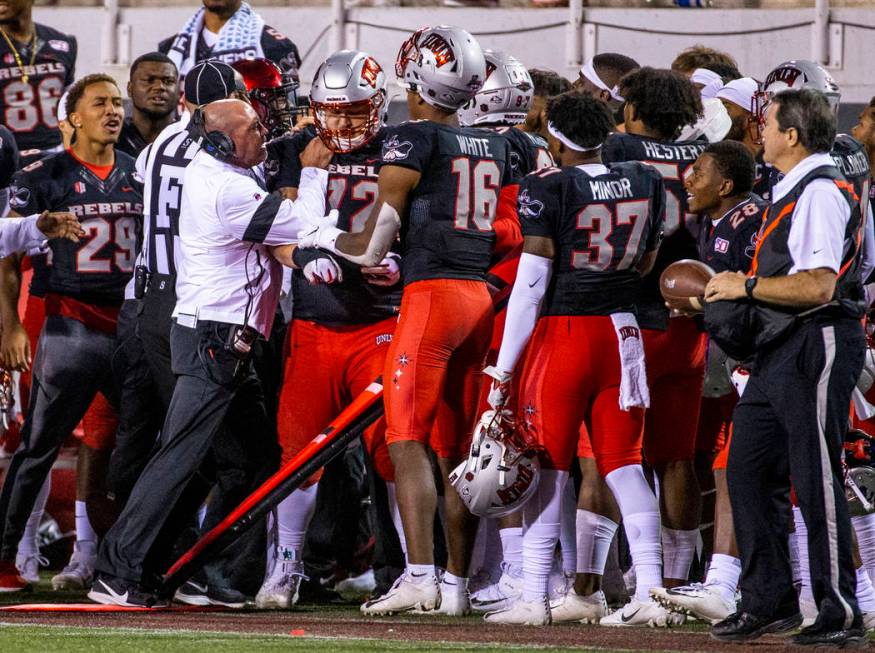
x,y
271,93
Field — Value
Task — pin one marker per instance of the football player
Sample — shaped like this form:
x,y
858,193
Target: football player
x,y
344,315
83,285
500,105
659,103
700,56
591,232
38,63
547,84
440,185
154,91
719,188
600,76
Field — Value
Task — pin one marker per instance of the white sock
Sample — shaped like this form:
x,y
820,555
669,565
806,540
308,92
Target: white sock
x,y
420,573
396,516
512,546
865,591
567,530
640,510
723,575
29,544
451,582
86,538
801,534
541,514
293,515
594,536
678,550
864,526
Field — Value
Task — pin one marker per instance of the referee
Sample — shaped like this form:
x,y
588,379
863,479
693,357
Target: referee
x,y
227,290
790,423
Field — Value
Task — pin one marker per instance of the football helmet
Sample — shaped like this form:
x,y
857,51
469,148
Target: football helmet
x,y
443,64
502,469
505,96
349,83
271,93
794,75
859,474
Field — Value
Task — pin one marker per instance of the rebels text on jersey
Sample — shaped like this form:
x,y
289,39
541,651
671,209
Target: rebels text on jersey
x,y
671,160
528,152
30,108
447,230
728,244
352,190
602,220
96,269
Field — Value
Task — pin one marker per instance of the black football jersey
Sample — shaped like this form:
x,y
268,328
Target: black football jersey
x,y
728,244
602,225
352,190
97,268
447,230
130,141
275,46
762,185
528,152
30,109
8,157
671,160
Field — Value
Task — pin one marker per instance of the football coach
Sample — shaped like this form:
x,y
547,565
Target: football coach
x,y
800,308
227,291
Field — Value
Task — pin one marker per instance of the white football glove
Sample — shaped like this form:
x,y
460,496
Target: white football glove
x,y
387,273
500,391
323,270
320,233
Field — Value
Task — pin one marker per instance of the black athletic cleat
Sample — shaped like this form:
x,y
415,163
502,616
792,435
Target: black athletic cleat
x,y
192,593
227,597
744,626
814,635
116,591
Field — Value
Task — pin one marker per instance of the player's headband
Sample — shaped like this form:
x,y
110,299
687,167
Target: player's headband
x,y
567,142
589,72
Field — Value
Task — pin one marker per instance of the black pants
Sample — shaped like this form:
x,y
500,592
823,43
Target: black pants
x,y
156,309
789,426
212,387
140,408
73,362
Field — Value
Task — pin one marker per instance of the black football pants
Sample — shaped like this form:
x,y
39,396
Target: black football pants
x,y
213,388
789,426
72,363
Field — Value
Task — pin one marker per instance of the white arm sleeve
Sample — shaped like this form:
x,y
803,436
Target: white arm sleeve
x,y
388,224
250,213
523,308
20,235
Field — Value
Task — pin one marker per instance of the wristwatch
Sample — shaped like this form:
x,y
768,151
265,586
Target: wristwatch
x,y
749,285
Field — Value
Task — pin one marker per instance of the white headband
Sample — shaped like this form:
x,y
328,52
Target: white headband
x,y
739,92
704,77
62,107
589,72
567,142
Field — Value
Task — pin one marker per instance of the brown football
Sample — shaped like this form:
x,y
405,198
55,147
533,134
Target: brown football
x,y
682,281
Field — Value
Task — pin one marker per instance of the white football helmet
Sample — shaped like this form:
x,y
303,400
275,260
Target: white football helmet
x,y
506,95
501,472
444,64
349,89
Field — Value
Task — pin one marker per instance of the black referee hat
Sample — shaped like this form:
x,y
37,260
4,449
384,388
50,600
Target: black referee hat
x,y
210,81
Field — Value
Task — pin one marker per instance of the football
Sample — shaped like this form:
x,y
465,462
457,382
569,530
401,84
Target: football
x,y
682,284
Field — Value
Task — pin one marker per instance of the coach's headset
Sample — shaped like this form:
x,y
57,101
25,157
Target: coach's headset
x,y
216,143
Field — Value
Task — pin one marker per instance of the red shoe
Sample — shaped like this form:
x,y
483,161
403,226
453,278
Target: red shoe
x,y
10,581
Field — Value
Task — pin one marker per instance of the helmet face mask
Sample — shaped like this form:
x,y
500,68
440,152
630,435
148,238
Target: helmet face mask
x,y
348,100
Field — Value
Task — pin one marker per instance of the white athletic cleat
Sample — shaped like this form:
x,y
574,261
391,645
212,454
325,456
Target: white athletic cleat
x,y
500,595
809,612
28,565
356,587
643,613
406,595
522,613
455,601
580,609
869,620
279,591
78,574
695,600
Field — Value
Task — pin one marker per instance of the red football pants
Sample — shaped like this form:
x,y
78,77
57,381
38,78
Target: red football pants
x,y
433,371
571,378
326,368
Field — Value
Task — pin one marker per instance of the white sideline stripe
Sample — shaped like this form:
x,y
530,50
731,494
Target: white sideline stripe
x,y
828,334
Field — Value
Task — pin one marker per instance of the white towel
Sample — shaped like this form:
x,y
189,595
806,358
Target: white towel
x,y
634,392
241,32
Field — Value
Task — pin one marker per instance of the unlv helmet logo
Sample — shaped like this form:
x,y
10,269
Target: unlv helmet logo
x,y
370,71
443,52
788,75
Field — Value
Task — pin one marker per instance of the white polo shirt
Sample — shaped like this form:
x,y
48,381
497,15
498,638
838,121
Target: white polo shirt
x,y
225,272
20,235
819,220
